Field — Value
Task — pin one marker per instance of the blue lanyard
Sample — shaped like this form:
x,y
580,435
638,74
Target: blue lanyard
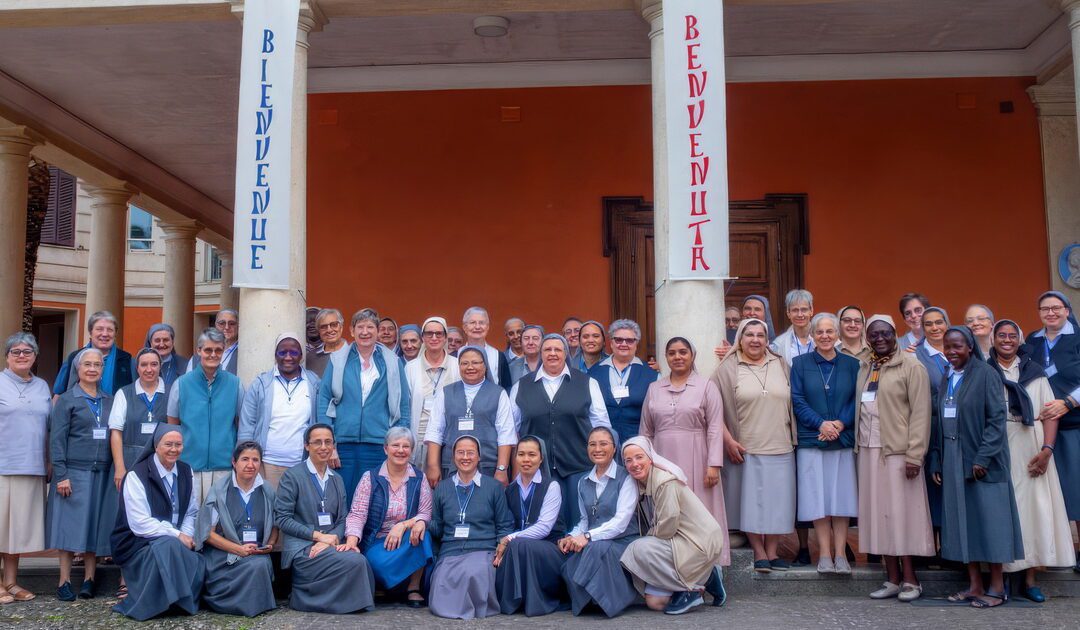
x,y
953,387
285,385
319,489
464,506
526,505
170,486
95,408
247,505
1046,351
624,376
149,400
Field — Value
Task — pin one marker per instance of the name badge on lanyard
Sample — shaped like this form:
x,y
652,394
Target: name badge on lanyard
x,y
1050,370
249,535
620,391
429,402
949,410
869,396
461,531
1048,365
324,519
324,516
100,433
466,422
148,427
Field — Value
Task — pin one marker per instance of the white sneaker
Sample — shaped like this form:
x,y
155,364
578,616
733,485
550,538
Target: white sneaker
x,y
841,566
887,590
909,592
825,565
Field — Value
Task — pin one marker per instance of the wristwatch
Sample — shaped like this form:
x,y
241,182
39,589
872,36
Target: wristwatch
x,y
588,536
501,468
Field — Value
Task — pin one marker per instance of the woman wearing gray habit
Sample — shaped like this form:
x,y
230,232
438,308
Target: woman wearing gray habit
x,y
310,510
236,532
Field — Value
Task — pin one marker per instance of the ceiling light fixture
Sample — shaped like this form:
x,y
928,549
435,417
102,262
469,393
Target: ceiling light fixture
x,y
491,26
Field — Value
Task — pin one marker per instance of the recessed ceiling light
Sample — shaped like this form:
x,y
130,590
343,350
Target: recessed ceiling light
x,y
491,26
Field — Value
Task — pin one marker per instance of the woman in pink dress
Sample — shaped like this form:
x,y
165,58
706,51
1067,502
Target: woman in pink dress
x,y
684,417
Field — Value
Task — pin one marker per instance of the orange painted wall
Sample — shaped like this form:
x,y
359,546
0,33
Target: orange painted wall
x,y
138,320
423,202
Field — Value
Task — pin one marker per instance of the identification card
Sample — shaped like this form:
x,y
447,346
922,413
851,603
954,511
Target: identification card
x,y
869,396
249,535
465,424
147,428
100,434
429,402
620,392
950,411
324,519
461,531
1050,370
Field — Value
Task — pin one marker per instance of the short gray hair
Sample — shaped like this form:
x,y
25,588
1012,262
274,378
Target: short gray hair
x,y
396,433
323,312
984,307
100,315
232,311
624,324
21,339
817,319
795,296
475,310
512,320
210,334
79,357
365,315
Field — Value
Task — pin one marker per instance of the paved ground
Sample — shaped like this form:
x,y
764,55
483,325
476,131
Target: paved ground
x,y
789,613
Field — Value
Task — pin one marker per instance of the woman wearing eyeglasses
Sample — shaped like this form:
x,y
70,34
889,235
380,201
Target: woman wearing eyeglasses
x,y
278,407
432,370
623,378
24,419
1056,347
980,319
853,333
330,324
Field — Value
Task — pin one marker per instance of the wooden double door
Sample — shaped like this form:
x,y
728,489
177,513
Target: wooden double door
x,y
768,239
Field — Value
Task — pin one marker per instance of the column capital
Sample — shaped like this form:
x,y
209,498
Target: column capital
x,y
652,11
110,194
311,20
19,140
1055,98
180,230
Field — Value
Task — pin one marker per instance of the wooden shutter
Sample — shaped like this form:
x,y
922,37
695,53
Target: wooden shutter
x,y
59,227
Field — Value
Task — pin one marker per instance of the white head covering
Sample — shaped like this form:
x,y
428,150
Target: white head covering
x,y
658,460
295,337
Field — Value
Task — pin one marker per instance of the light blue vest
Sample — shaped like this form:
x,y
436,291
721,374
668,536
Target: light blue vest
x,y
208,419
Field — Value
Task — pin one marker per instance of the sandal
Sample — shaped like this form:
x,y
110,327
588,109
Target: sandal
x,y
19,593
979,602
415,603
960,597
122,592
5,597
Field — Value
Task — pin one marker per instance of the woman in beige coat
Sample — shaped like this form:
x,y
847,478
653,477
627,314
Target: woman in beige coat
x,y
677,559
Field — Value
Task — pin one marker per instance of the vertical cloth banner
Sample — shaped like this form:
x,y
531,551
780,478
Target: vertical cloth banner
x,y
264,145
694,77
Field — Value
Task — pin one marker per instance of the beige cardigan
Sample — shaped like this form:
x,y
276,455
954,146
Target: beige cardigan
x,y
903,399
697,541
727,375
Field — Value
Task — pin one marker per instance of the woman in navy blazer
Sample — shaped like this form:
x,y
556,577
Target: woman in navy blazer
x,y
624,379
823,398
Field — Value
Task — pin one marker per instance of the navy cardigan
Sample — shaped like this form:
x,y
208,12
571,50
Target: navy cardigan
x,y
625,415
813,405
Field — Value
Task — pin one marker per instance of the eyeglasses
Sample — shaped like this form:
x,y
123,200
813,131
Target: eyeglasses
x,y
434,334
971,320
847,321
171,445
800,310
317,443
1008,336
623,341
21,352
329,326
571,331
288,354
92,364
212,351
229,324
1051,309
465,453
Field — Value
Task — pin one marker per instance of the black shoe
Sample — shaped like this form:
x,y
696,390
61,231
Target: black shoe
x,y
762,566
780,564
414,603
849,553
802,559
715,587
64,592
682,602
87,590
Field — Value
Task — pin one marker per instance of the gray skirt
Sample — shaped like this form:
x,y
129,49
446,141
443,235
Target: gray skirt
x,y
82,522
1067,461
335,582
463,586
595,574
529,578
827,485
162,575
652,563
767,504
245,587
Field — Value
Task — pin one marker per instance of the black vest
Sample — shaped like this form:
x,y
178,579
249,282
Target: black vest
x,y
485,408
562,423
134,439
539,493
126,544
238,514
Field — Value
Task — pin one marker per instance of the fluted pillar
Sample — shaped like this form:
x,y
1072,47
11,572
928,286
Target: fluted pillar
x,y
15,146
108,250
179,302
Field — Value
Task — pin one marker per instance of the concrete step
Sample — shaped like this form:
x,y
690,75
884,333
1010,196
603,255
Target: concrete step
x,y
741,579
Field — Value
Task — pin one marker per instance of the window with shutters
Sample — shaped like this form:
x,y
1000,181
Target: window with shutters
x,y
213,264
59,226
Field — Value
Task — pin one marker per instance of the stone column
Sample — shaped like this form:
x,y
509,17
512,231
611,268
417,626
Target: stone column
x,y
179,302
687,308
266,313
108,250
230,296
15,146
1055,99
1072,8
